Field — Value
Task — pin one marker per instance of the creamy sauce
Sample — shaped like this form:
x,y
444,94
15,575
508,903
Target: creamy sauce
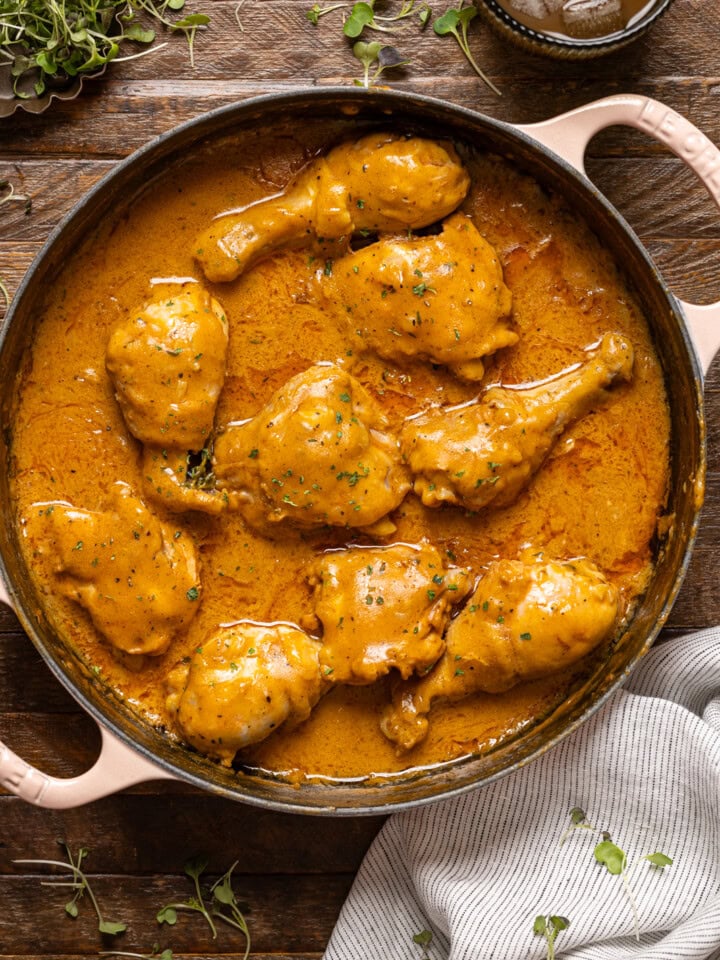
x,y
599,494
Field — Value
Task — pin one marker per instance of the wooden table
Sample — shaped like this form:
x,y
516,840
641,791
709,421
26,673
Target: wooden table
x,y
294,873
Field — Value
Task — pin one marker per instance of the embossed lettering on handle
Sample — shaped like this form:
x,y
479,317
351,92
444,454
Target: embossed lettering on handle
x,y
569,134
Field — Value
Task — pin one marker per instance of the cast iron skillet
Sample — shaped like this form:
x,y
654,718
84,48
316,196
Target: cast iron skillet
x,y
686,338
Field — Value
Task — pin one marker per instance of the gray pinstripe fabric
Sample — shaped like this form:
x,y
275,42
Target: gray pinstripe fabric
x,y
477,870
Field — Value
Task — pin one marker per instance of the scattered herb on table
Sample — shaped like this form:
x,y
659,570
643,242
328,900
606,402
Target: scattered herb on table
x,y
614,859
455,22
549,927
363,16
80,884
578,821
423,939
381,56
316,11
8,195
55,40
155,954
223,904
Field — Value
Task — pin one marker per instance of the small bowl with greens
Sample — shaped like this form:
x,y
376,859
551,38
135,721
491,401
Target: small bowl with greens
x,y
49,47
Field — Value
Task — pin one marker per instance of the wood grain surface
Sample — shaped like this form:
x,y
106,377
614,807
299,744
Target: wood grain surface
x,y
293,872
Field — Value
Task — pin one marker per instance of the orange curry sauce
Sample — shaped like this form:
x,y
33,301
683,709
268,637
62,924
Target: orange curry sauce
x,y
598,495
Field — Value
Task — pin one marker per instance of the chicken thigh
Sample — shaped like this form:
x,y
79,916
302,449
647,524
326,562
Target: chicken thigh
x,y
381,182
167,365
439,298
383,608
244,682
527,618
317,454
488,451
136,577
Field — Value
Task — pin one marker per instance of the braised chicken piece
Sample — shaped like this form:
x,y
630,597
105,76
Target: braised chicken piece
x,y
527,618
136,577
383,608
381,182
488,451
318,453
167,365
439,298
243,683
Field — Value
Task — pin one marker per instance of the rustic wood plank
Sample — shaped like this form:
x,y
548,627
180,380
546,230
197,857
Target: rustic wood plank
x,y
100,129
152,837
286,914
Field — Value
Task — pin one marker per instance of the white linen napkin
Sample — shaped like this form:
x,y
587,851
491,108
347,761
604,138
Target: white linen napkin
x,y
477,870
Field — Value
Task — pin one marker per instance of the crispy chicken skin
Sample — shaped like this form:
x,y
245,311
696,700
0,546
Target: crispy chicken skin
x,y
381,182
136,577
488,451
167,365
317,454
383,608
244,682
527,618
440,298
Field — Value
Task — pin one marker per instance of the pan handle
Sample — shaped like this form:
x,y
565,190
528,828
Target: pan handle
x,y
117,767
569,134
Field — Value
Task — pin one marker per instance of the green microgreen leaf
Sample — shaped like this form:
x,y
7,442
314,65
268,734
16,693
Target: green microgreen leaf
x,y
659,859
549,926
611,857
360,17
381,56
423,939
455,22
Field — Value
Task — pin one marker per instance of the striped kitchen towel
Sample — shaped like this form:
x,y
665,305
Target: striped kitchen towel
x,y
495,873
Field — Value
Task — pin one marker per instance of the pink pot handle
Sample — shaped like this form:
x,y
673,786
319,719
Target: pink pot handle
x,y
117,767
569,134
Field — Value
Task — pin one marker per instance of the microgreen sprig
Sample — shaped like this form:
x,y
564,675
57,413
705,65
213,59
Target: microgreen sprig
x,y
4,293
80,884
155,954
376,53
8,195
223,904
423,939
363,16
455,22
615,861
578,821
549,927
316,11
